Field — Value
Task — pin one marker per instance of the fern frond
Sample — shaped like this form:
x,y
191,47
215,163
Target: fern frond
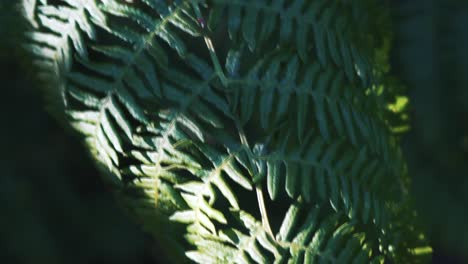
x,y
61,33
303,238
321,28
301,101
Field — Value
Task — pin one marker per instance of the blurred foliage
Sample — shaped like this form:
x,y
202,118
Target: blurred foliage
x,y
431,57
40,163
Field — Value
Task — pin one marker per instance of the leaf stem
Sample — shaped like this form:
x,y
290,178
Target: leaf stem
x,y
210,46
258,187
263,212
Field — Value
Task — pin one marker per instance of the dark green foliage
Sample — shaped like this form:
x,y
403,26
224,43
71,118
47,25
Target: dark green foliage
x,y
284,105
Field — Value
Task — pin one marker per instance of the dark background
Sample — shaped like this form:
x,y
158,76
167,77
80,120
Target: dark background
x,y
430,54
55,209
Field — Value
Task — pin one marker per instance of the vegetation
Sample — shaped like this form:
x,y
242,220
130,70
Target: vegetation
x,y
260,131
